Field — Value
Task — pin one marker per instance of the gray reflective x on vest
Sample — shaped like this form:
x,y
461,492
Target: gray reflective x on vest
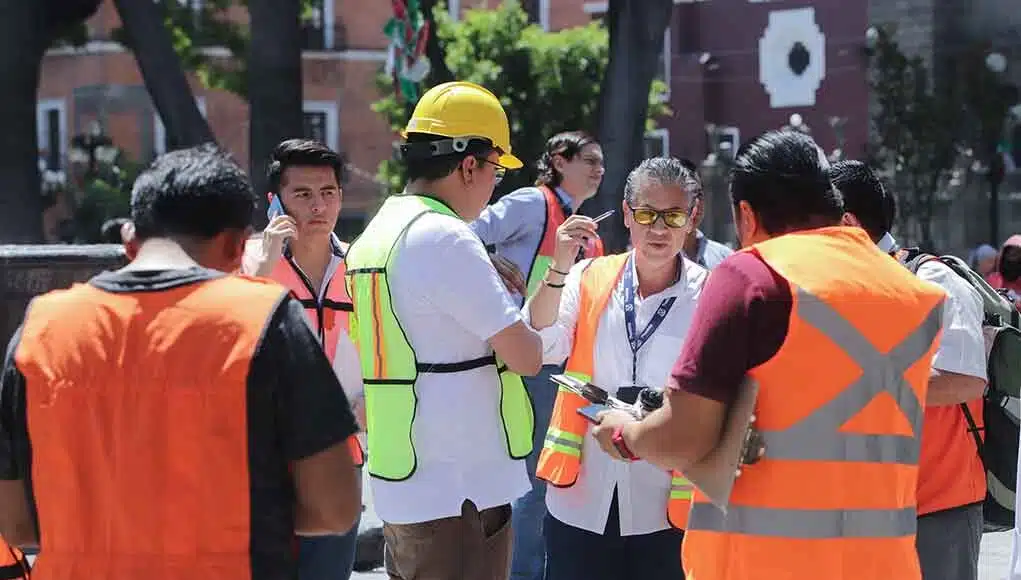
x,y
817,436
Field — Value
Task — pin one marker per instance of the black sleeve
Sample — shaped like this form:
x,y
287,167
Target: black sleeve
x,y
312,412
14,448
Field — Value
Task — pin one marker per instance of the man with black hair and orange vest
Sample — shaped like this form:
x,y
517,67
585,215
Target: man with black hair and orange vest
x,y
521,229
168,420
839,340
951,478
299,249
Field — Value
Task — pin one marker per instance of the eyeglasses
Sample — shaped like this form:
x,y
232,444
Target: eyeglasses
x,y
646,216
499,170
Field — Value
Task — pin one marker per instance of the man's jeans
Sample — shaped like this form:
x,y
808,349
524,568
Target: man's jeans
x,y
327,557
529,559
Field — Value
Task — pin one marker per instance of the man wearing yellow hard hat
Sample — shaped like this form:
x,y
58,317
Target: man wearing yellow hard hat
x,y
442,344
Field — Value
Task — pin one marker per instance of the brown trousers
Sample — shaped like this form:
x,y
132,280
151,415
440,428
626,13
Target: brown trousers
x,y
473,546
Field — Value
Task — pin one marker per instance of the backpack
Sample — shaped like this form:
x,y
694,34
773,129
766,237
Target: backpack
x,y
1000,403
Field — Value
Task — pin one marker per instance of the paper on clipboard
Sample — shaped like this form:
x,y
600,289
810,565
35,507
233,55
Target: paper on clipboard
x,y
714,475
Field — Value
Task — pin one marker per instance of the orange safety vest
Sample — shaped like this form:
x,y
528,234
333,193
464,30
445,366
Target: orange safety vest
x,y
560,459
328,318
13,565
840,409
555,216
142,470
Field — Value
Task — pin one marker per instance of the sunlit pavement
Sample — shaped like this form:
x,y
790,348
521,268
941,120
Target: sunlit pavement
x,y
992,565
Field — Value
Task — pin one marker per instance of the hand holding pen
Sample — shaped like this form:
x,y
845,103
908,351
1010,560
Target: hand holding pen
x,y
573,236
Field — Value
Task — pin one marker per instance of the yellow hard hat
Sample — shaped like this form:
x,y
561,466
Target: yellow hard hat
x,y
462,109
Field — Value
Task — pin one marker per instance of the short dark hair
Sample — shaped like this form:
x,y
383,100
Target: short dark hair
x,y
196,192
300,153
433,167
864,196
110,231
665,171
567,145
784,176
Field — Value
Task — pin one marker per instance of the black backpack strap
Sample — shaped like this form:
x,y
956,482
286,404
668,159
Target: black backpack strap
x,y
973,428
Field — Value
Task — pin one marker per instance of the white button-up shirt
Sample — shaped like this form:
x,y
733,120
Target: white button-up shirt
x,y
642,488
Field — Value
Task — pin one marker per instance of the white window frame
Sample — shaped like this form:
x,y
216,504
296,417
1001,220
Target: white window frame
x,y
454,7
544,14
159,131
42,134
328,24
663,135
332,119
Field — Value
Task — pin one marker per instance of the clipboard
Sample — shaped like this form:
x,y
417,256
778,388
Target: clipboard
x,y
714,475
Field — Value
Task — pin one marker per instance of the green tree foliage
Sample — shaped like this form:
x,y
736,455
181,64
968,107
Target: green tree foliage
x,y
547,81
916,132
196,25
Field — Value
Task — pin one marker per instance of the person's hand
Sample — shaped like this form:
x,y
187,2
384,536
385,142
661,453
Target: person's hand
x,y
572,236
603,432
279,230
512,277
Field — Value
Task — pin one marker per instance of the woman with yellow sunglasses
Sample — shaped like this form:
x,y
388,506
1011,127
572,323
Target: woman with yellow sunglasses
x,y
619,322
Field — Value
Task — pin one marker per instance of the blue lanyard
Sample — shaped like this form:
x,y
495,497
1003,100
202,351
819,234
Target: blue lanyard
x,y
638,339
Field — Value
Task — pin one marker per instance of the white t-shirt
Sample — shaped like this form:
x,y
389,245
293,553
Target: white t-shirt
x,y
962,348
450,301
642,488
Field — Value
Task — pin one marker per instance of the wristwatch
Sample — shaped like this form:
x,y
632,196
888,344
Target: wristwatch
x,y
621,445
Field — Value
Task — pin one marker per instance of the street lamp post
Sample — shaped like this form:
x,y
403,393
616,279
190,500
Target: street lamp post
x,y
996,63
92,147
838,124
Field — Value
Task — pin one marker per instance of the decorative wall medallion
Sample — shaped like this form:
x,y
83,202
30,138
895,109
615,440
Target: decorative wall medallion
x,y
792,58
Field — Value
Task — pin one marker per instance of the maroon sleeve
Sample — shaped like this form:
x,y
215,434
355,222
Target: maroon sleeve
x,y
740,322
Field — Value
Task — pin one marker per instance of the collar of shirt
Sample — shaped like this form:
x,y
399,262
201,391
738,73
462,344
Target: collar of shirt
x,y
674,289
331,269
565,200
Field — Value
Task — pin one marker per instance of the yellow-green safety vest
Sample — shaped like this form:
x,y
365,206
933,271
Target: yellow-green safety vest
x,y
390,368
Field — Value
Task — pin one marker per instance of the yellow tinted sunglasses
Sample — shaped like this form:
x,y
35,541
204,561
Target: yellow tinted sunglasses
x,y
646,216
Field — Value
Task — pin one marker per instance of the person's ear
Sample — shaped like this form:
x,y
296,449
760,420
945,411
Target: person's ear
x,y
850,220
129,239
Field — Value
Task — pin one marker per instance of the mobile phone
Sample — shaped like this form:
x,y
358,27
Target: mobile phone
x,y
590,412
275,208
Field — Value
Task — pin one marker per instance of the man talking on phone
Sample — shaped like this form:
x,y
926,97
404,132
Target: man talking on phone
x,y
299,250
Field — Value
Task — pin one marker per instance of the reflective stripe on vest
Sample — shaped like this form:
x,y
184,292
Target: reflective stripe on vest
x,y
328,318
560,459
840,408
389,365
817,437
555,216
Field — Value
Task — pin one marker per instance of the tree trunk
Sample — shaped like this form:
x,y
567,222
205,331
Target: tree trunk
x,y
23,39
438,71
163,73
274,82
636,37
531,7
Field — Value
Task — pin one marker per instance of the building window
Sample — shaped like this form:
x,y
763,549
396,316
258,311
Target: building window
x,y
159,131
319,28
657,143
51,132
321,122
